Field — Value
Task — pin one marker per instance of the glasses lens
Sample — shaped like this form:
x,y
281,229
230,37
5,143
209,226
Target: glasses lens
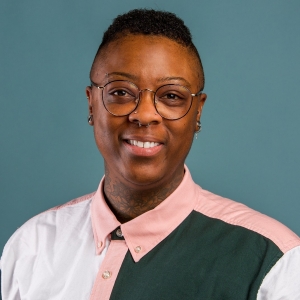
x,y
173,101
120,97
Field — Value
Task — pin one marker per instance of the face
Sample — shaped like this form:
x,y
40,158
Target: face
x,y
148,62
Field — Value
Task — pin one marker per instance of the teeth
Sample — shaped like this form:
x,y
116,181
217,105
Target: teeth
x,y
142,145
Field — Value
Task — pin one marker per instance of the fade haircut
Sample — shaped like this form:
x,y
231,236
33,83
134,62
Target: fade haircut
x,y
153,23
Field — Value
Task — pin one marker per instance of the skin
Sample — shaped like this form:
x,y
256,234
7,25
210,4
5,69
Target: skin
x,y
135,184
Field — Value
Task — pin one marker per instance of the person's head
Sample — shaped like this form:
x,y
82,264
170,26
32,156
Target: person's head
x,y
148,103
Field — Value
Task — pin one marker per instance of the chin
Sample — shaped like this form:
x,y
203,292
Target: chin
x,y
142,177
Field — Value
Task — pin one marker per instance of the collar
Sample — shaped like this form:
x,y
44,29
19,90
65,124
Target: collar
x,y
146,231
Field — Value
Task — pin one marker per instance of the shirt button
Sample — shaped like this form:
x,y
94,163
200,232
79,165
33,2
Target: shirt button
x,y
119,232
99,244
106,274
137,249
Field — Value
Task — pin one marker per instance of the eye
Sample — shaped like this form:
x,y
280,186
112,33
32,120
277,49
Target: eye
x,y
172,93
119,93
122,93
171,96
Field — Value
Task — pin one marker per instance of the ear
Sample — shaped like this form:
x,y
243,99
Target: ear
x,y
88,92
201,101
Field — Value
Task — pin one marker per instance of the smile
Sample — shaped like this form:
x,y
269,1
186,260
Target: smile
x,y
142,144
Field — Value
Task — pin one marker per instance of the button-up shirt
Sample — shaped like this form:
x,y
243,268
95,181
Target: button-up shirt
x,y
194,245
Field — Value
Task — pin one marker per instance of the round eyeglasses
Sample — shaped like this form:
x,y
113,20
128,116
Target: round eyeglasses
x,y
121,98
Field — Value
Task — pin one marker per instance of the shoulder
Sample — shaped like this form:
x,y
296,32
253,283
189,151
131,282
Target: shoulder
x,y
238,214
41,228
277,245
44,244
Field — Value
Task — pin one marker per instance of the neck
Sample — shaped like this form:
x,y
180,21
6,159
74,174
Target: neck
x,y
128,203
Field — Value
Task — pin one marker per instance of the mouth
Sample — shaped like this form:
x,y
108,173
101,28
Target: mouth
x,y
141,144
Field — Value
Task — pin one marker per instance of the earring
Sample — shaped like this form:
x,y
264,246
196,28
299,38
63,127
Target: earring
x,y
199,128
90,119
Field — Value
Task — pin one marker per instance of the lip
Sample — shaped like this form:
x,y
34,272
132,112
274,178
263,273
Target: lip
x,y
140,151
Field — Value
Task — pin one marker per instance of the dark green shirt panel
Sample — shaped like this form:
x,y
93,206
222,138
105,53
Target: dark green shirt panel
x,y
203,258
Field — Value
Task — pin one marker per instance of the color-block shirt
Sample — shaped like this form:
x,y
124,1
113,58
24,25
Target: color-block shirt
x,y
194,245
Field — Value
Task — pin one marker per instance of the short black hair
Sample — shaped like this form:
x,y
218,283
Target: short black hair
x,y
153,23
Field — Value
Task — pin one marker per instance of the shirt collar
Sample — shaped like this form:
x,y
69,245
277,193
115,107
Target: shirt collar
x,y
144,232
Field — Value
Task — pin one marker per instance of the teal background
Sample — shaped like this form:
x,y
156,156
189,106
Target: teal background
x,y
248,149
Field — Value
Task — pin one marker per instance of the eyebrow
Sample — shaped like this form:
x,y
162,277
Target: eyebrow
x,y
123,74
166,79
162,79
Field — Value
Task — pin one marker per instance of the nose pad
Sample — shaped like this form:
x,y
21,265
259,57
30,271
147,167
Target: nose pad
x,y
145,111
141,93
145,90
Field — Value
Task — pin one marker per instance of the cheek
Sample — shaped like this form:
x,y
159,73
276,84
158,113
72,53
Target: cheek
x,y
182,135
100,126
185,128
103,133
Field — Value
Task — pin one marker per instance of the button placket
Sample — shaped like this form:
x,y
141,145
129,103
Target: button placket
x,y
109,270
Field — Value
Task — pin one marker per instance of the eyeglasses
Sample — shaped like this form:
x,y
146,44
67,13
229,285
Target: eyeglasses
x,y
171,101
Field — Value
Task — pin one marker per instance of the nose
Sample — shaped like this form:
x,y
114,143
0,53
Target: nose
x,y
145,112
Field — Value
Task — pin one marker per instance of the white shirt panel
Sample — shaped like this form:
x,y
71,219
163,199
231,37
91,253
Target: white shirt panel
x,y
54,242
283,281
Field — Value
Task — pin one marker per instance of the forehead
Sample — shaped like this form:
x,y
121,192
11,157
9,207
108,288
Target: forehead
x,y
147,57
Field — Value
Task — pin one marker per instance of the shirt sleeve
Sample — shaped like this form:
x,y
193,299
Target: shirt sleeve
x,y
283,280
9,286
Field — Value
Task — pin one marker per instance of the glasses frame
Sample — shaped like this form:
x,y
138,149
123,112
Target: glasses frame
x,y
139,98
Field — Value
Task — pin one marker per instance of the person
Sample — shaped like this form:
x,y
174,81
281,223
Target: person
x,y
149,232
